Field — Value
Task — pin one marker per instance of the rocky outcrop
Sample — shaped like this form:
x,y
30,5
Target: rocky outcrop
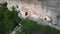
x,y
48,8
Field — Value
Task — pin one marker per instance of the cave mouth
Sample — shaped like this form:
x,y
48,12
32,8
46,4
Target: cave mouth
x,y
5,4
17,6
45,18
26,13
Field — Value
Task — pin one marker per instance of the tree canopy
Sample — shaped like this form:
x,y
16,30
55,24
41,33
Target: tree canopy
x,y
8,19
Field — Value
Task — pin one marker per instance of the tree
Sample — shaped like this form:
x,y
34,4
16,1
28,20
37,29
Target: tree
x,y
8,20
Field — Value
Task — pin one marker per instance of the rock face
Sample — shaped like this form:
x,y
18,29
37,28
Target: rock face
x,y
2,1
52,10
44,12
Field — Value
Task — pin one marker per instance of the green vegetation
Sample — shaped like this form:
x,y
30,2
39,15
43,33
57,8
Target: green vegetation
x,y
31,27
8,19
